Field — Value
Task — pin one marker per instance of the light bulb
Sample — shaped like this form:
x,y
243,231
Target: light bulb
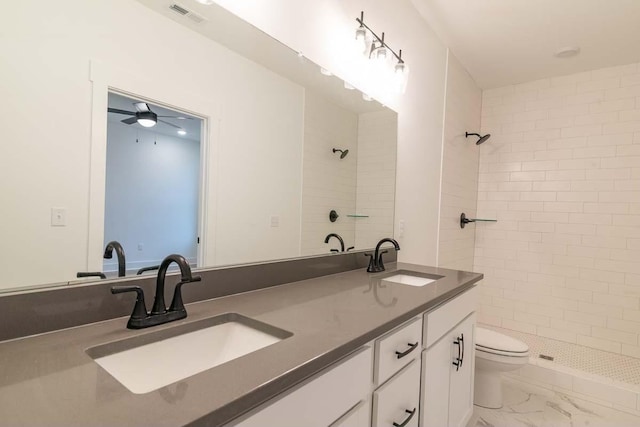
x,y
148,123
400,77
361,39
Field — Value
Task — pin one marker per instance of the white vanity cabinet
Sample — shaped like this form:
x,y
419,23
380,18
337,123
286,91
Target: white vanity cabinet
x,y
418,374
448,363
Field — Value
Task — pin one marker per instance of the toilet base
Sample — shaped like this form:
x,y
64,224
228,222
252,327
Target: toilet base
x,y
488,389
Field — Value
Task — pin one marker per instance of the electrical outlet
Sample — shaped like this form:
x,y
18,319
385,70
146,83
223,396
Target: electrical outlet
x,y
401,228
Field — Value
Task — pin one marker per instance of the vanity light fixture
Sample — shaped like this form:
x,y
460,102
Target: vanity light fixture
x,y
349,86
325,72
367,97
381,52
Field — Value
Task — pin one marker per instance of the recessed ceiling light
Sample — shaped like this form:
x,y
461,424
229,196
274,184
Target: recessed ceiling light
x,y
567,52
182,132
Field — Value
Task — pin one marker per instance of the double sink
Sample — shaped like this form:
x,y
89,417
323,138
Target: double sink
x,y
151,361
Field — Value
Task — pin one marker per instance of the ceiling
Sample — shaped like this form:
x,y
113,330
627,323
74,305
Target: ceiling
x,y
502,42
190,123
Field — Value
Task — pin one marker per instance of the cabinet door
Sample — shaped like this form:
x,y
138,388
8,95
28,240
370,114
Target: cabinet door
x,y
461,388
436,372
322,400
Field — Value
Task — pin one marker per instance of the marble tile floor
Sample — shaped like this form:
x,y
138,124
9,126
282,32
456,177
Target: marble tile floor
x,y
528,405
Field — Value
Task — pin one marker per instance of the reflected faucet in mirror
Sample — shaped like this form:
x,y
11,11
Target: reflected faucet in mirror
x,y
337,236
159,314
108,254
375,263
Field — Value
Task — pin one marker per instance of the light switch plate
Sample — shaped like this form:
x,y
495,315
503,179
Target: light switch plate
x,y
58,217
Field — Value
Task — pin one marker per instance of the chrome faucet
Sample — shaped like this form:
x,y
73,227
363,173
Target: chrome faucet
x,y
375,263
337,236
159,314
108,254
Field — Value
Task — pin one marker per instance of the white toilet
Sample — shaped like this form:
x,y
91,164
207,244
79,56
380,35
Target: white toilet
x,y
495,353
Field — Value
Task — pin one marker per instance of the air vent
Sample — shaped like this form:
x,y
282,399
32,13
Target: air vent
x,y
186,12
179,9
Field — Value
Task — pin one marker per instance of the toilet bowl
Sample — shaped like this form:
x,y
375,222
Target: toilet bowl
x,y
495,353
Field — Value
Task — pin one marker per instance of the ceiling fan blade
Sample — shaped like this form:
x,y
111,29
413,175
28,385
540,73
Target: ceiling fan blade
x,y
118,111
141,107
178,117
170,124
130,120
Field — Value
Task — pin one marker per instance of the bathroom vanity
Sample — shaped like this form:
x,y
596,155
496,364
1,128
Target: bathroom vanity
x,y
354,349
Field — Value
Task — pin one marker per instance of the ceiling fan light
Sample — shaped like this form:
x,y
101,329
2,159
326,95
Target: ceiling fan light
x,y
148,123
147,119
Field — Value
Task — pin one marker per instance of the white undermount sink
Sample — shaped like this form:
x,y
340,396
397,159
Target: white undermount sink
x,y
149,362
411,278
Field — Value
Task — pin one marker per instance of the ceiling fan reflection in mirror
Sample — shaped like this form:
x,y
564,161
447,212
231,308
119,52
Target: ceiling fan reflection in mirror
x,y
144,116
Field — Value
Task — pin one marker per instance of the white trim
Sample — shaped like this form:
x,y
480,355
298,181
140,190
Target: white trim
x,y
444,119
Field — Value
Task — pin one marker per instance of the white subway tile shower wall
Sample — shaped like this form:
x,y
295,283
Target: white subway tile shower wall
x,y
561,173
376,183
459,168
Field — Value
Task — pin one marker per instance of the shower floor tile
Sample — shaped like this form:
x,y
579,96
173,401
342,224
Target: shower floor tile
x,y
531,406
612,366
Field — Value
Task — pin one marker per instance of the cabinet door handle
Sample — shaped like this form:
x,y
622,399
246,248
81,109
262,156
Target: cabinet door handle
x,y
405,422
458,361
412,347
462,342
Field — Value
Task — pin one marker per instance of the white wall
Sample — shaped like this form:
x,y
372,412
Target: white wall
x,y
329,183
377,145
459,168
561,173
322,31
45,52
151,195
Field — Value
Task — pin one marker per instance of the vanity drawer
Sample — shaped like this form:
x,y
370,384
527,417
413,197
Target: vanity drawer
x,y
439,321
397,348
397,401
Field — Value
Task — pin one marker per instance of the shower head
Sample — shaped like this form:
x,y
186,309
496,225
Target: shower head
x,y
481,138
343,153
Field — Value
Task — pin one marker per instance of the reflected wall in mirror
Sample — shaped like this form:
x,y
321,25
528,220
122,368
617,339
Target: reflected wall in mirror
x,y
268,175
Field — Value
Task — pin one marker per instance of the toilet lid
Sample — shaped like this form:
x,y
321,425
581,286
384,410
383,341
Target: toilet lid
x,y
494,342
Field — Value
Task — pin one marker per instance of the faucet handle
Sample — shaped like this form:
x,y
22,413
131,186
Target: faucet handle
x,y
334,250
140,309
350,247
176,302
372,263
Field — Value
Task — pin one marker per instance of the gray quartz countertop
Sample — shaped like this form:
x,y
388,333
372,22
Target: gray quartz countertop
x,y
49,380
